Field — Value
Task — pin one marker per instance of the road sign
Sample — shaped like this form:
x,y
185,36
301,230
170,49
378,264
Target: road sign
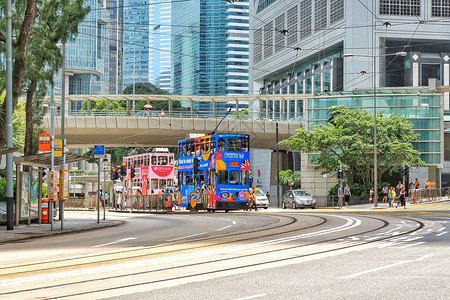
x,y
58,145
105,166
45,142
99,151
107,157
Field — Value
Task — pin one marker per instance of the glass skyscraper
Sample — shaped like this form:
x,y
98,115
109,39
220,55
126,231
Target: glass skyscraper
x,y
147,41
115,8
210,47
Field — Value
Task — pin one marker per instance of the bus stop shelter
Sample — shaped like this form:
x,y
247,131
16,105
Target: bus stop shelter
x,y
29,184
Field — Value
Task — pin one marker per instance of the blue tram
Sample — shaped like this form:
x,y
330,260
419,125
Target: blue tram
x,y
214,172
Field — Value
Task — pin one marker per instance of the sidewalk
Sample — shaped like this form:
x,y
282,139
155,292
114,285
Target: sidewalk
x,y
73,222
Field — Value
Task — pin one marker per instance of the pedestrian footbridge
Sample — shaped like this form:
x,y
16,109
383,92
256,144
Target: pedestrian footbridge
x,y
202,115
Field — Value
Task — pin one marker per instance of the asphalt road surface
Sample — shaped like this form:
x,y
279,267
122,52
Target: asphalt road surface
x,y
274,254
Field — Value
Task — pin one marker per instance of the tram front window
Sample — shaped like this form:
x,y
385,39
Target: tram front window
x,y
222,177
234,177
221,144
244,145
244,177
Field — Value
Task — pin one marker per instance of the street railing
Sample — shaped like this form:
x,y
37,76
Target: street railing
x,y
206,114
145,203
429,195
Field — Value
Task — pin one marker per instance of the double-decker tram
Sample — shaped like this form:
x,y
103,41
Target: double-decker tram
x,y
152,171
213,172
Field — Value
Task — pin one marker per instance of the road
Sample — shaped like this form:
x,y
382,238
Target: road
x,y
274,254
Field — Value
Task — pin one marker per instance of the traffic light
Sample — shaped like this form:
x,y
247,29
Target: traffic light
x,y
340,173
196,162
133,172
405,171
123,169
114,174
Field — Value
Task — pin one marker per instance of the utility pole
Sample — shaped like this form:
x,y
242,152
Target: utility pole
x,y
278,168
63,114
9,127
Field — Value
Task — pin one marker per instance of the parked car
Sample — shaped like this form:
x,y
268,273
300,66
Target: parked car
x,y
298,198
261,198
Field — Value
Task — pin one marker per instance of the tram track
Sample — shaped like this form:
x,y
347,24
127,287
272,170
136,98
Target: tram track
x,y
384,224
165,245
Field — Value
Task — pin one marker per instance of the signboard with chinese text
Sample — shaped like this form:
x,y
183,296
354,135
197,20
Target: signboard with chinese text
x,y
45,142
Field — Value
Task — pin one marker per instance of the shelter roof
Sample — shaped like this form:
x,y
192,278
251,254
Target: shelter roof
x,y
44,160
4,150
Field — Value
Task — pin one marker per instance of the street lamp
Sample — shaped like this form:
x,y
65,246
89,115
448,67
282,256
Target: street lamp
x,y
375,148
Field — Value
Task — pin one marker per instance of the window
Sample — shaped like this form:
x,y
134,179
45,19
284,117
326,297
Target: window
x,y
234,177
268,39
162,183
244,177
440,8
336,11
305,19
222,177
171,160
221,144
154,160
154,184
162,160
301,193
320,14
292,26
234,145
279,37
400,7
244,144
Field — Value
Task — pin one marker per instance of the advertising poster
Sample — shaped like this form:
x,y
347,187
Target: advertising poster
x,y
25,208
34,194
64,185
50,186
55,185
144,176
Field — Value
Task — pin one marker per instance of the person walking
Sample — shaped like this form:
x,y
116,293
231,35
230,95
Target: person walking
x,y
391,195
119,200
347,194
428,185
402,198
371,195
384,193
398,188
254,200
340,195
417,184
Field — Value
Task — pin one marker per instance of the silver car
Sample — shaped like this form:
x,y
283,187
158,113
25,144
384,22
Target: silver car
x,y
298,198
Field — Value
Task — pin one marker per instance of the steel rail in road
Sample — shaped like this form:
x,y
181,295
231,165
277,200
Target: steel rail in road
x,y
420,225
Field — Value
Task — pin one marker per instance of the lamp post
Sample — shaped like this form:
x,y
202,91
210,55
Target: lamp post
x,y
375,147
63,115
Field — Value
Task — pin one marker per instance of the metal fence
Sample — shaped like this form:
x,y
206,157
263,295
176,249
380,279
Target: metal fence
x,y
145,203
429,195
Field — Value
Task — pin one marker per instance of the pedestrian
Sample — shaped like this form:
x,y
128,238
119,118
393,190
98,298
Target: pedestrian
x,y
162,114
254,200
340,192
347,194
384,193
402,199
391,195
417,184
398,188
412,186
119,200
371,195
428,185
128,111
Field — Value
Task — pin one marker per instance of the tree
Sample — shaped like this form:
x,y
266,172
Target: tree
x,y
151,89
348,137
291,179
57,22
38,26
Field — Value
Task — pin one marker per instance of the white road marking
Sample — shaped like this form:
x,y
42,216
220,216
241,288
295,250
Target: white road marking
x,y
223,228
410,245
118,241
252,297
185,237
442,233
386,267
440,229
351,223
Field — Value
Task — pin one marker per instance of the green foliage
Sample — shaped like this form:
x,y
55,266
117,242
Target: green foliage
x,y
290,178
348,137
3,189
143,88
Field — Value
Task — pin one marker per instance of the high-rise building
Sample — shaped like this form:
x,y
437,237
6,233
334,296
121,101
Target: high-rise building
x,y
147,40
115,8
210,47
313,48
87,56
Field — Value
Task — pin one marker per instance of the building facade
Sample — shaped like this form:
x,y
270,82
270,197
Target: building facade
x,y
147,40
115,8
210,50
315,48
